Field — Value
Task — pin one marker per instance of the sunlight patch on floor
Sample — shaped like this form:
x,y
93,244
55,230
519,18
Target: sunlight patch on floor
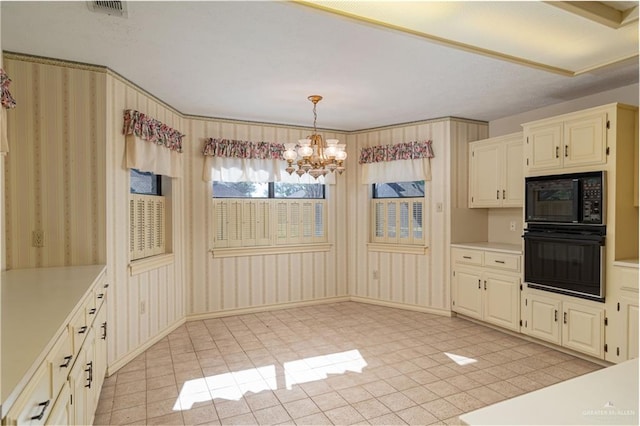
x,y
233,385
461,360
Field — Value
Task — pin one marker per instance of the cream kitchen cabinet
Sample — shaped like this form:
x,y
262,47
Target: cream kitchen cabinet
x,y
53,375
566,142
495,172
563,320
622,312
486,286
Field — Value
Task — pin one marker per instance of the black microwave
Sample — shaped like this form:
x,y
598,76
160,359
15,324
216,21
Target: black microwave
x,y
577,198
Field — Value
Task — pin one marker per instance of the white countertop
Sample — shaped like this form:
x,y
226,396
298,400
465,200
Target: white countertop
x,y
607,396
485,245
628,263
36,306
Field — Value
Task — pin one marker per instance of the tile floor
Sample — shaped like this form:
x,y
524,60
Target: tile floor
x,y
343,363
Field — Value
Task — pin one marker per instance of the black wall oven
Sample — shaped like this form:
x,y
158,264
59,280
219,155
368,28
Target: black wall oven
x,y
565,259
564,241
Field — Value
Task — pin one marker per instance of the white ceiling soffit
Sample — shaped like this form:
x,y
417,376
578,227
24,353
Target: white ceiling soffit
x,y
571,38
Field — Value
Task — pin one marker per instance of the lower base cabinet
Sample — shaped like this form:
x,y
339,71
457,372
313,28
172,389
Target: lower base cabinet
x,y
66,387
564,321
489,291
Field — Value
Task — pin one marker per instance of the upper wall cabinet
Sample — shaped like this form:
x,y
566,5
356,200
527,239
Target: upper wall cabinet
x,y
495,172
567,142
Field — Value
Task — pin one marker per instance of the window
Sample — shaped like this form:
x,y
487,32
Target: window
x,y
397,210
247,214
147,213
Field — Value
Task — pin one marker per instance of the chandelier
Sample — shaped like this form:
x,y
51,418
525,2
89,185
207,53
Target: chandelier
x,y
313,155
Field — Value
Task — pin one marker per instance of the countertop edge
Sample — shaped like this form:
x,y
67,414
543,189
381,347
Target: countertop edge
x,y
489,246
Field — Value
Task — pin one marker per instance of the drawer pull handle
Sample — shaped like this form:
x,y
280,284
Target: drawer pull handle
x,y
100,296
485,284
104,330
67,360
44,406
564,315
478,284
555,315
92,311
566,150
499,261
466,257
89,370
504,194
557,152
82,330
497,194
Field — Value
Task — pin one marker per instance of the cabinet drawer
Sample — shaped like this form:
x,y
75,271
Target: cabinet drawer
x,y
35,403
61,359
509,262
79,325
469,257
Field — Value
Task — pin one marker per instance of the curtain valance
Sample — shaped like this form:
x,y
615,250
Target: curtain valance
x,y
7,101
151,130
152,146
243,149
399,151
228,160
400,162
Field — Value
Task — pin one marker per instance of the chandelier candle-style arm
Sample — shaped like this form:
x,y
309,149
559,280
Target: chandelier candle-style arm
x,y
313,155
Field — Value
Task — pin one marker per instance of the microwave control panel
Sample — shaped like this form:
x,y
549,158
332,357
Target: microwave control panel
x,y
592,203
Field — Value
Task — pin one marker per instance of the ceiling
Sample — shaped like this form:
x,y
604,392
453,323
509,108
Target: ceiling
x,y
375,63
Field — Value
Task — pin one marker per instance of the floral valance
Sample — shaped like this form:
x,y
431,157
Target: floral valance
x,y
400,151
151,130
243,149
6,99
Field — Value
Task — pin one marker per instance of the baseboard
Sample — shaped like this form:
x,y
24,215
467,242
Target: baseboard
x,y
265,308
406,307
124,360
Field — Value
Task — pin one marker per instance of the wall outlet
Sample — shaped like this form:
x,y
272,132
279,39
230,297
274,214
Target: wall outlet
x,y
512,225
375,275
37,238
143,307
439,207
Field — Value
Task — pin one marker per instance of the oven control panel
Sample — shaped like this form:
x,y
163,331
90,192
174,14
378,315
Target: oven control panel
x,y
592,203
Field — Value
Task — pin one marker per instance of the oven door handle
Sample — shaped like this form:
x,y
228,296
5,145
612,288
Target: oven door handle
x,y
567,238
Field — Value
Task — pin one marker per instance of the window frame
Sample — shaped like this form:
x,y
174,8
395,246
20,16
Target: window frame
x,y
391,238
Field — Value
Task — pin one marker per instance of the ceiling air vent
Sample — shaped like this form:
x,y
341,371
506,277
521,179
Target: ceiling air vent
x,y
113,8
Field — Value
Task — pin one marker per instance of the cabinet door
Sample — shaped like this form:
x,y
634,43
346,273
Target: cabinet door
x,y
583,328
543,147
542,319
501,304
629,311
585,140
467,292
78,379
61,409
513,176
485,175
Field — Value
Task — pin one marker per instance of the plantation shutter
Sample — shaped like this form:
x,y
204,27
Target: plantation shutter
x,y
282,222
249,223
221,219
263,223
319,221
307,221
392,219
404,236
146,226
416,222
378,221
234,223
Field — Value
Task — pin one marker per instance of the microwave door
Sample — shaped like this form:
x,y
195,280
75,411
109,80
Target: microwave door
x,y
554,201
